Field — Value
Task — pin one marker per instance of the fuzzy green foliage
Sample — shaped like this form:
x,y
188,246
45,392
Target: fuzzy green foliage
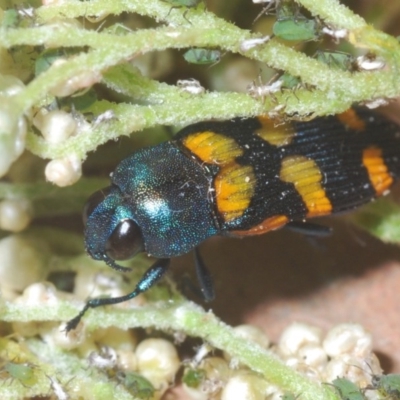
x,y
382,219
31,45
106,52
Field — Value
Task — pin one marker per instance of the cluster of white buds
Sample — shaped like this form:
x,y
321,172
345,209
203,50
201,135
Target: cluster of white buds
x,y
345,352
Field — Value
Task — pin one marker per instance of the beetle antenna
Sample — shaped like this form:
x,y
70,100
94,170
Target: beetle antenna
x,y
111,263
149,279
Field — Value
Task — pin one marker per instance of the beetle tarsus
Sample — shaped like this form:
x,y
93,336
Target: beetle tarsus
x,y
149,279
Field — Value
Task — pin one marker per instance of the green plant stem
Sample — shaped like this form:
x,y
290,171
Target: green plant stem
x,y
49,200
158,10
360,33
110,51
127,79
334,13
40,190
189,109
189,319
54,363
335,90
130,118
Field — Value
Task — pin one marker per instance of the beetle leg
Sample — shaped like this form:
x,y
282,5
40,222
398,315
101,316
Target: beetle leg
x,y
204,277
309,228
149,279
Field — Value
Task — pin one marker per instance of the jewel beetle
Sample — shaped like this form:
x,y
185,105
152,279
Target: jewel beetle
x,y
237,178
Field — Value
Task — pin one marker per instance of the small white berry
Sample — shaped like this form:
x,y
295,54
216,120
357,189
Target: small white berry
x,y
297,335
64,172
15,214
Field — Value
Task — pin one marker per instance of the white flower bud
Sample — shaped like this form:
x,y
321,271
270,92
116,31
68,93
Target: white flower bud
x,y
12,135
157,360
56,336
349,339
15,214
24,261
65,171
10,85
298,335
57,126
83,80
313,355
244,386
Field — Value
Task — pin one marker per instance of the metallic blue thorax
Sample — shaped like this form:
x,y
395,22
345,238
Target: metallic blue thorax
x,y
165,193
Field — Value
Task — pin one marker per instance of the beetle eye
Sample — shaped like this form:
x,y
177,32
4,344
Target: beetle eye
x,y
94,200
125,241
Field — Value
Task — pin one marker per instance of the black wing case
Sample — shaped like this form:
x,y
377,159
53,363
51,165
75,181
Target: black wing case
x,y
264,175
